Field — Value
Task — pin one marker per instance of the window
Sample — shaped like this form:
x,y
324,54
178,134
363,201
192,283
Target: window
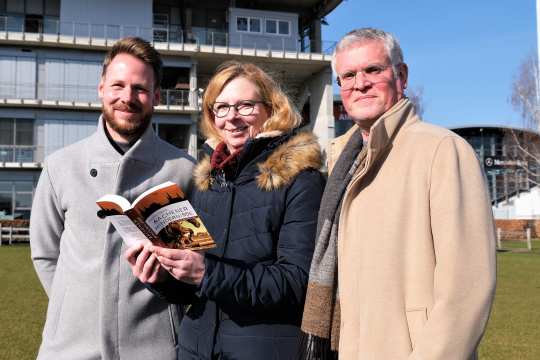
x,y
241,24
283,28
248,24
16,140
277,27
271,26
255,25
15,199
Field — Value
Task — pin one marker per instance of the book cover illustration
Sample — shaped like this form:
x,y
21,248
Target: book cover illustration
x,y
161,214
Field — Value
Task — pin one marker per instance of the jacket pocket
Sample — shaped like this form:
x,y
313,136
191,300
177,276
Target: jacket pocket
x,y
416,319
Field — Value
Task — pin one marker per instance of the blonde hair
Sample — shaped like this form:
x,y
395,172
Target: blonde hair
x,y
283,115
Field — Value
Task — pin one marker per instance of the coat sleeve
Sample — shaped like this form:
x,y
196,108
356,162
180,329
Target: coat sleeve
x,y
46,228
464,247
283,280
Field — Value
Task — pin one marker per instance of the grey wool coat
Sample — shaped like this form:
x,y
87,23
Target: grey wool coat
x,y
97,308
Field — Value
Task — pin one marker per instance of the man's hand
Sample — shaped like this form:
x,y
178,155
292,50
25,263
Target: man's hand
x,y
184,265
144,264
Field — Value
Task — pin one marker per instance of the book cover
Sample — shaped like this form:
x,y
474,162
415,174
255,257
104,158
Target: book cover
x,y
161,214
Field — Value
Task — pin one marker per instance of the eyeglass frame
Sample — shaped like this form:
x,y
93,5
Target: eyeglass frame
x,y
235,106
366,75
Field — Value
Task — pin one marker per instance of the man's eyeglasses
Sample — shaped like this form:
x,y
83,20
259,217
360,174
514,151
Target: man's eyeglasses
x,y
244,107
372,73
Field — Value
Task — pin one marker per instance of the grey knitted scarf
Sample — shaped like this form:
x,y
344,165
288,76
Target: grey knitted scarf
x,y
321,319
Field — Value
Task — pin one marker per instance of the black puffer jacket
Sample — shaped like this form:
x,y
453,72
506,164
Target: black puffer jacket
x,y
249,304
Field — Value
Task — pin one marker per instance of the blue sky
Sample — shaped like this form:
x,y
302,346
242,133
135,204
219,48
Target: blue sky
x,y
464,53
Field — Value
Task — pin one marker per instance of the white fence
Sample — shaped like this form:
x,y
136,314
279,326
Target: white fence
x,y
14,234
520,236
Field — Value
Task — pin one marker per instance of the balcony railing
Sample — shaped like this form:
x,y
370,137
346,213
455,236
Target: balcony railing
x,y
175,97
18,153
160,34
85,93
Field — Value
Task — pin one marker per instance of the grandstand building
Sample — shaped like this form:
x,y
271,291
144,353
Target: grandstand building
x,y
50,62
510,157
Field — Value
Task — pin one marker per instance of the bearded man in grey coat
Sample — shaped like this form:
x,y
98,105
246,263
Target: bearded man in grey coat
x,y
97,308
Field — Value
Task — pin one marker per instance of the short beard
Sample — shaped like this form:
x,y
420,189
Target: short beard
x,y
133,130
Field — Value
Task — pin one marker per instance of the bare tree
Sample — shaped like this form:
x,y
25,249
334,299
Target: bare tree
x,y
416,96
523,147
525,97
522,152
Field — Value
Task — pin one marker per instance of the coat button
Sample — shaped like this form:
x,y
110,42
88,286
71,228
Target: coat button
x,y
93,173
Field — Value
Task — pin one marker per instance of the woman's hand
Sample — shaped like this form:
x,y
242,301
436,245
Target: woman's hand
x,y
184,265
144,264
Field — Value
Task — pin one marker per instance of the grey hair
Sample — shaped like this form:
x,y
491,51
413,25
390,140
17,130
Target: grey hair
x,y
356,36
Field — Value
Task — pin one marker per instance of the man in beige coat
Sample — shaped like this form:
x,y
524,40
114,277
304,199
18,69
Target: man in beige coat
x,y
414,228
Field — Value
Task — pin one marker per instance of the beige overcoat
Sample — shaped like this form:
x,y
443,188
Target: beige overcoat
x,y
416,246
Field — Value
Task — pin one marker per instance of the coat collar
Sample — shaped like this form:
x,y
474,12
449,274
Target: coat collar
x,y
383,132
103,151
299,152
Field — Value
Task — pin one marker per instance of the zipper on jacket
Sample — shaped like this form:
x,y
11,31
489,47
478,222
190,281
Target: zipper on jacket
x,y
218,313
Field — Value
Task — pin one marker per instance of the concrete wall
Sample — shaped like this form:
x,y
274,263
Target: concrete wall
x,y
263,40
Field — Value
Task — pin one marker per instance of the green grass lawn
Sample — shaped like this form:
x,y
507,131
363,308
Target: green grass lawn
x,y
513,331
22,304
514,327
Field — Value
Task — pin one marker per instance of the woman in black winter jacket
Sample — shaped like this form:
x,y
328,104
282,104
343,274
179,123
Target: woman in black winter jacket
x,y
258,192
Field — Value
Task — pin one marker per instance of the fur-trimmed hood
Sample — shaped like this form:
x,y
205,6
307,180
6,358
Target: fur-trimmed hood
x,y
299,152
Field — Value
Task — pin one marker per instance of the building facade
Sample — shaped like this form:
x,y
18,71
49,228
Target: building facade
x,y
511,161
51,53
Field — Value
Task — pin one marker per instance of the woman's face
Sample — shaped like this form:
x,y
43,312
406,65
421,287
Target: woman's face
x,y
245,119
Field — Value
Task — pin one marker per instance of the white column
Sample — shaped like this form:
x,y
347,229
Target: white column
x,y
193,103
321,109
192,144
193,90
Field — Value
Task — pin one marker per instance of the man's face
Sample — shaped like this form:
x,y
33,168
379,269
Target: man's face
x,y
369,96
128,96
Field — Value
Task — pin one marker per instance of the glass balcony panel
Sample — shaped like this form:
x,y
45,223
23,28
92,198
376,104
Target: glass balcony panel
x,y
23,200
6,153
97,31
51,26
174,97
112,32
15,23
82,29
21,214
14,153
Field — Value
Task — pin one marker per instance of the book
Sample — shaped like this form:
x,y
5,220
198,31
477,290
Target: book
x,y
161,214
